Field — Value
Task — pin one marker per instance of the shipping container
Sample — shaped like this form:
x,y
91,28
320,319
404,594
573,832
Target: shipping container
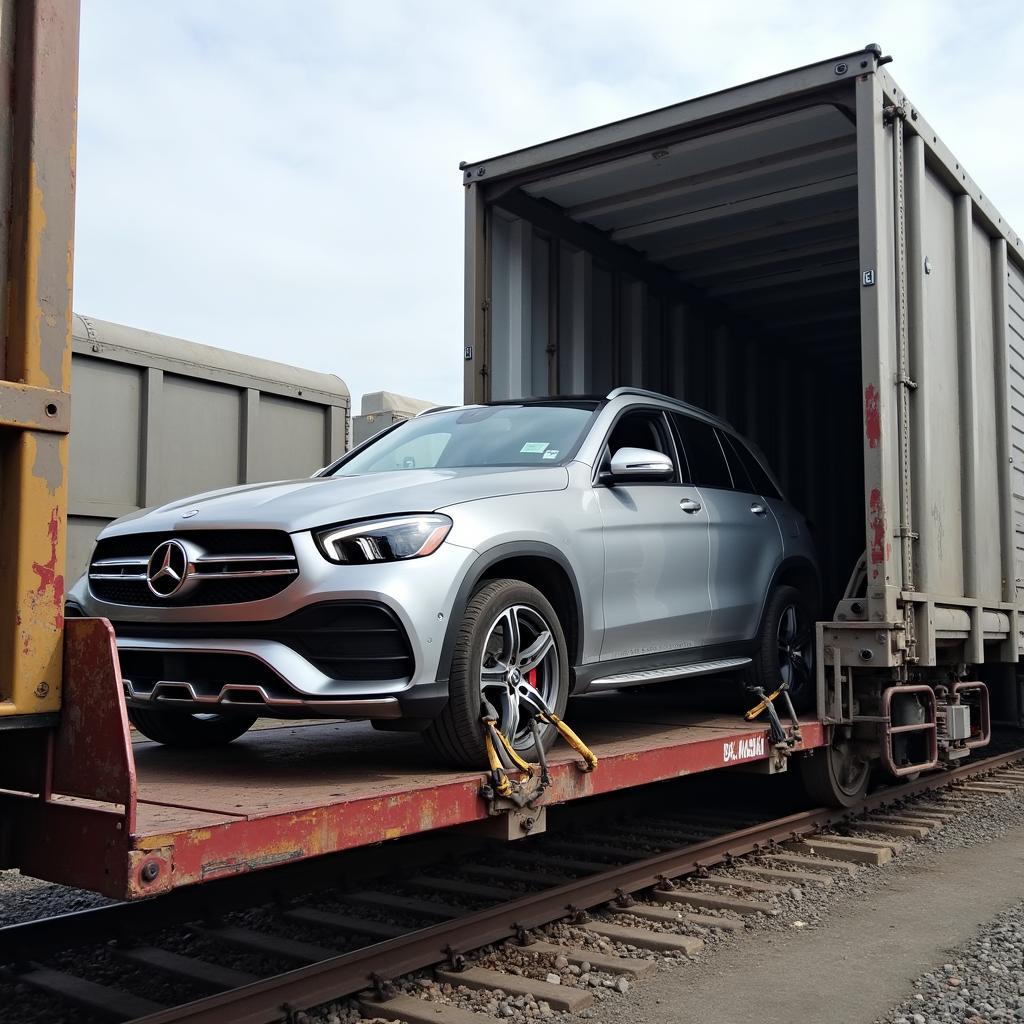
x,y
380,409
803,256
156,418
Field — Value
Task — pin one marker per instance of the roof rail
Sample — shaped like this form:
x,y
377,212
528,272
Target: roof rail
x,y
435,408
641,392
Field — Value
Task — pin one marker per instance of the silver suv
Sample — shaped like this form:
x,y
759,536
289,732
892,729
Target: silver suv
x,y
579,544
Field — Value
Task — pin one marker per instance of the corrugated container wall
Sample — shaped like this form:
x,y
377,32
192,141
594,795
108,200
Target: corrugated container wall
x,y
157,418
804,257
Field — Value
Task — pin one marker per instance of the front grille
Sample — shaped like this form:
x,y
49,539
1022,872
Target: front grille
x,y
226,567
349,640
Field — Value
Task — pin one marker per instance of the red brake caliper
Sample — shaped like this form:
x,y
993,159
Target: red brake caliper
x,y
531,677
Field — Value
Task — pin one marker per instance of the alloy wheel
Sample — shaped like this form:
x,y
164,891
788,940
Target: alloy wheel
x,y
519,647
795,640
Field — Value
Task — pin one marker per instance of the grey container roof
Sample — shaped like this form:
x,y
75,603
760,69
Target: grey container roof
x,y
140,347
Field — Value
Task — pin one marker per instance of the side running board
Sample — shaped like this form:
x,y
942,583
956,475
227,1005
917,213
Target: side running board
x,y
657,675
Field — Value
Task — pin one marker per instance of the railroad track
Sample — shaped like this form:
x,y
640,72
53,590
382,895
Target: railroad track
x,y
143,963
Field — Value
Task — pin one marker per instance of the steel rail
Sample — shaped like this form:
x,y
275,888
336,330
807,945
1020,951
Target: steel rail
x,y
278,997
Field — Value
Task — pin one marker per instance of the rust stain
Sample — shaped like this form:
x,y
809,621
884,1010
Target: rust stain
x,y
872,417
880,550
49,578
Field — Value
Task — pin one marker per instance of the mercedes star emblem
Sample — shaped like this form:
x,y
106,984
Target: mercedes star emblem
x,y
168,569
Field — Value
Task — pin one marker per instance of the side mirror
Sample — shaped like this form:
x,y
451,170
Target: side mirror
x,y
630,464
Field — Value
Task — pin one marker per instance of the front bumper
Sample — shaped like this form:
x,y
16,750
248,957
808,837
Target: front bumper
x,y
235,657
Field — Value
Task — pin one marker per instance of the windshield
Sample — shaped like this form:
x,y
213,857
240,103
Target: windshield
x,y
496,435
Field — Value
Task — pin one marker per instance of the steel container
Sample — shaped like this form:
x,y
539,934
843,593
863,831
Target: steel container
x,y
156,418
804,256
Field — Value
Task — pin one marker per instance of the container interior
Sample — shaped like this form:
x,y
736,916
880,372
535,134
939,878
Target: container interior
x,y
720,268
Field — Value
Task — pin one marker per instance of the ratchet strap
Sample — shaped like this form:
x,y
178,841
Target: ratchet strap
x,y
497,744
776,732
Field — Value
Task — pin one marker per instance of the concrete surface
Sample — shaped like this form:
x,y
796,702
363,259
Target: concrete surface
x,y
853,967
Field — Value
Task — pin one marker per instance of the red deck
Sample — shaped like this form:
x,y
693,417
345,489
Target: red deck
x,y
290,792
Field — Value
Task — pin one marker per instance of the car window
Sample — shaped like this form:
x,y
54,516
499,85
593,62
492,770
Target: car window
x,y
761,481
420,452
496,435
704,454
740,477
641,428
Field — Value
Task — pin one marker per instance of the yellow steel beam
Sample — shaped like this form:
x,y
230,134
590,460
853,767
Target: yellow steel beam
x,y
37,150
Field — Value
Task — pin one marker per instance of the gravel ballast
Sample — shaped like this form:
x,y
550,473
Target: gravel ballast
x,y
983,981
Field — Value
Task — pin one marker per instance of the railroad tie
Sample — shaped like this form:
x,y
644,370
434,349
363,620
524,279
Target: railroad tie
x,y
345,923
894,846
538,877
201,972
889,827
432,909
858,853
475,890
795,877
666,915
413,1010
598,961
558,997
262,942
665,942
745,884
711,901
802,860
111,1003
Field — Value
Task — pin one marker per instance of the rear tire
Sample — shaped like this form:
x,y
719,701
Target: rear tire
x,y
784,649
833,776
176,728
481,649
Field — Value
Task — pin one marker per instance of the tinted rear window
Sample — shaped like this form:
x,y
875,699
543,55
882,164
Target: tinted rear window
x,y
760,480
708,467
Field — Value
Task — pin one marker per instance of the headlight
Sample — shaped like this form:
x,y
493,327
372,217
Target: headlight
x,y
393,539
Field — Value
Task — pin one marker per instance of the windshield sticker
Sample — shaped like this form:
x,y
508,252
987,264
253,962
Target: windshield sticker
x,y
534,447
551,453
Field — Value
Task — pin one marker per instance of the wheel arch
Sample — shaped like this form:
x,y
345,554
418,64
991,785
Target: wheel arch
x,y
542,566
797,572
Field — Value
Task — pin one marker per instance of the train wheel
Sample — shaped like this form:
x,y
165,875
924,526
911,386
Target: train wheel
x,y
835,776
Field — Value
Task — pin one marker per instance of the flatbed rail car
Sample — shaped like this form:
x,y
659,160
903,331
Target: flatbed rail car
x,y
804,257
134,820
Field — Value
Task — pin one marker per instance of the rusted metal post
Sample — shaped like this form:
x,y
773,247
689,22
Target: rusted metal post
x,y
38,98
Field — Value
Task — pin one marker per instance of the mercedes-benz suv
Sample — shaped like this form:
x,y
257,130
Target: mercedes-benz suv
x,y
578,544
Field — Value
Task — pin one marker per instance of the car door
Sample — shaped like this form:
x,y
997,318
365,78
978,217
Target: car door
x,y
656,546
745,543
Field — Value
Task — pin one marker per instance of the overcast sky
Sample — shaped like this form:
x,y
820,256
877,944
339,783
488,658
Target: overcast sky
x,y
282,179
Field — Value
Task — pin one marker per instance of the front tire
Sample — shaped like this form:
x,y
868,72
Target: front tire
x,y
175,728
509,629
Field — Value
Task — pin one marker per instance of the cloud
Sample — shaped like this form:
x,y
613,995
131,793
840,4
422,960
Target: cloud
x,y
282,179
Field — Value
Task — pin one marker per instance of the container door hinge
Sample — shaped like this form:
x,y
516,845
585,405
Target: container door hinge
x,y
892,112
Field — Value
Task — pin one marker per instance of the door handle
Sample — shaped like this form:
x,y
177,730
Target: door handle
x,y
758,510
691,506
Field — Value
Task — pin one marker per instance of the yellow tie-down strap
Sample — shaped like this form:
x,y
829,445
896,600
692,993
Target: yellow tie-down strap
x,y
761,706
494,739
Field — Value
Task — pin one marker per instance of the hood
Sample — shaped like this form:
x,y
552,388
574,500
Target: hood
x,y
295,505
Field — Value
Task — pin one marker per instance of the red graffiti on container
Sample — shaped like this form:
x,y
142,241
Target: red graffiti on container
x,y
876,524
49,578
872,417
